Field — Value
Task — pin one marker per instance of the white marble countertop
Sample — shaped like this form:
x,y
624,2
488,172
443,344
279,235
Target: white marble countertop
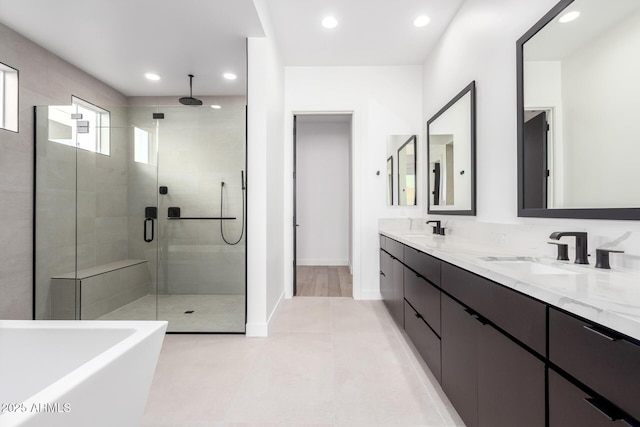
x,y
608,297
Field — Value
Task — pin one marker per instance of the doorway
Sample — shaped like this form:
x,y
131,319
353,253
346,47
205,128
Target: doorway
x,y
322,197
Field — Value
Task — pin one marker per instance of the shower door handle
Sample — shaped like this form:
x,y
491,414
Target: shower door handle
x,y
146,238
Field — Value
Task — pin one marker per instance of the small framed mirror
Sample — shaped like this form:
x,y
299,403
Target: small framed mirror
x,y
390,181
401,170
578,86
451,153
407,173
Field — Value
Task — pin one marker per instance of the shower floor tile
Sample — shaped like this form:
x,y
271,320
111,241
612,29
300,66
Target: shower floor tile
x,y
187,313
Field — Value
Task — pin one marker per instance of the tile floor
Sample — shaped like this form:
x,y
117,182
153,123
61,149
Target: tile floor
x,y
211,313
327,362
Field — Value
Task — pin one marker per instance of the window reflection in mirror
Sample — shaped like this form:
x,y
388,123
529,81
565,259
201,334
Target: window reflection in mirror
x,y
579,144
407,173
451,153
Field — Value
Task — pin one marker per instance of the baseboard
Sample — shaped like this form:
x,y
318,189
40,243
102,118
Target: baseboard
x,y
370,295
257,330
322,262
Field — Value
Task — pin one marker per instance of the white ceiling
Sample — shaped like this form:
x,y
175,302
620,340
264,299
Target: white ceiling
x,y
117,41
369,32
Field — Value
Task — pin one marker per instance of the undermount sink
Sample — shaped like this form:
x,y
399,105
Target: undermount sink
x,y
529,266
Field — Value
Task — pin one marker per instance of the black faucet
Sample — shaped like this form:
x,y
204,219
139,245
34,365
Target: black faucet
x,y
438,229
581,244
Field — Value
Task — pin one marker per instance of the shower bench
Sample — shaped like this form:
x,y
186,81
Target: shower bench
x,y
96,291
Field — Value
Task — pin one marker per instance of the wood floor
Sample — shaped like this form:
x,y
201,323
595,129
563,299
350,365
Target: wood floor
x,y
323,281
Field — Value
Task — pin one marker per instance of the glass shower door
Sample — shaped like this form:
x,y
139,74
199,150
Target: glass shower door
x,y
201,275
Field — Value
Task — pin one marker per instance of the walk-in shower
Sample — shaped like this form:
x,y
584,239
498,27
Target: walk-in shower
x,y
140,215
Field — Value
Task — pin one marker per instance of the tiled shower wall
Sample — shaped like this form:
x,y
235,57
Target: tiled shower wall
x,y
44,79
199,148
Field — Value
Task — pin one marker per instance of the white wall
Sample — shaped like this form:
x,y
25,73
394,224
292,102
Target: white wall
x,y
322,192
480,44
265,166
384,101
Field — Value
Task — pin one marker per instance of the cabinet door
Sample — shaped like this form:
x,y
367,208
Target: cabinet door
x,y
397,304
511,384
569,406
386,276
460,359
426,341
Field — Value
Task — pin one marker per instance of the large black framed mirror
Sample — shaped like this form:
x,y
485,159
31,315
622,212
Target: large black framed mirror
x,y
451,156
578,86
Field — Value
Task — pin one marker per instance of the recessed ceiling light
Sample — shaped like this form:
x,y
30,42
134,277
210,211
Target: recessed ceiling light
x,y
229,76
152,76
216,107
421,21
569,16
329,22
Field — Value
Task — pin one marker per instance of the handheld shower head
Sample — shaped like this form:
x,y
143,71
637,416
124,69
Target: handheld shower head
x,y
244,187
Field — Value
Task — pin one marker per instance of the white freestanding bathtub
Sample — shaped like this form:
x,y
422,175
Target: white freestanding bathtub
x,y
76,373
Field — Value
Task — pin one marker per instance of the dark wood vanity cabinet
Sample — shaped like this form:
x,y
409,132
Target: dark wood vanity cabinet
x,y
503,358
491,380
490,339
392,277
570,406
603,360
422,306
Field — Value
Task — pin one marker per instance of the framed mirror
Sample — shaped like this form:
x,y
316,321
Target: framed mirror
x,y
578,87
451,153
390,180
401,170
407,173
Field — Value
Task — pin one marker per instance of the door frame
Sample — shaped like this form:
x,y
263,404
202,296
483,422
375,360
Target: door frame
x,y
351,191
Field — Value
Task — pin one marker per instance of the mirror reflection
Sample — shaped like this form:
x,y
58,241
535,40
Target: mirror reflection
x,y
401,170
407,173
390,181
579,143
451,152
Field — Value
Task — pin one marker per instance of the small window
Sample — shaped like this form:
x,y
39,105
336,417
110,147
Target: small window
x,y
8,98
84,125
142,146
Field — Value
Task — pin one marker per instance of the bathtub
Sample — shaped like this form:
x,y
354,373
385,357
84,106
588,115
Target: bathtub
x,y
76,373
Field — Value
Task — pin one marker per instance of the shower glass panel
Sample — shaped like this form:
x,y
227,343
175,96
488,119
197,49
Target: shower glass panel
x,y
128,208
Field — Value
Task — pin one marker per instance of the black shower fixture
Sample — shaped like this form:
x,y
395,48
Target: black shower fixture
x,y
190,100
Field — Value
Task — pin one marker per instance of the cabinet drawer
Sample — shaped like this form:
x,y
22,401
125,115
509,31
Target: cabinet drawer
x,y
396,249
520,316
568,406
602,360
424,297
383,242
427,343
426,265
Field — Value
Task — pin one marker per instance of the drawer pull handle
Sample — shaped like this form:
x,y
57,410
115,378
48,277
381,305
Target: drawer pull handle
x,y
418,316
382,274
601,333
476,316
605,408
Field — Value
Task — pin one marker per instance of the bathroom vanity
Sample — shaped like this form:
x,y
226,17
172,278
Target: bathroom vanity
x,y
517,340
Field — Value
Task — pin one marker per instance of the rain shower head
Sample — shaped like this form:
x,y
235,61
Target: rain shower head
x,y
190,100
